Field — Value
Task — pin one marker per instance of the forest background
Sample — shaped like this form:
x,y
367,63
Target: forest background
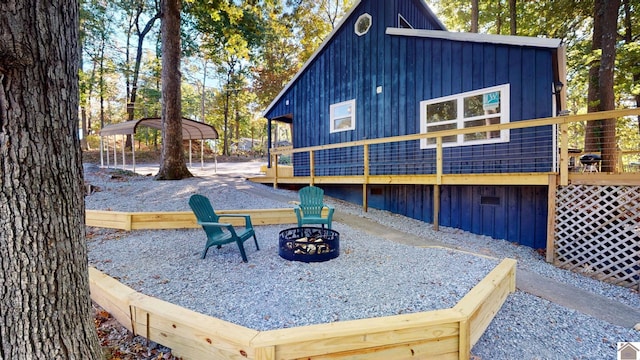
x,y
238,55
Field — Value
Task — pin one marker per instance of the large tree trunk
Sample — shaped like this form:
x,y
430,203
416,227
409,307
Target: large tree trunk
x,y
45,310
172,164
607,94
601,135
593,129
628,39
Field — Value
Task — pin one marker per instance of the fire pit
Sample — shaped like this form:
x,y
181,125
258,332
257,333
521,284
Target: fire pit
x,y
309,244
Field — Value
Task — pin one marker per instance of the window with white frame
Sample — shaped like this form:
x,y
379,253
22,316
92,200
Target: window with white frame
x,y
403,23
473,109
363,24
343,116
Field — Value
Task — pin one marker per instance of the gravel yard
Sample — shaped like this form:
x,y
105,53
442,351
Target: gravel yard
x,y
371,277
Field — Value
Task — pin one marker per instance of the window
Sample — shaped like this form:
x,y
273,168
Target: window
x,y
363,24
403,23
473,109
343,116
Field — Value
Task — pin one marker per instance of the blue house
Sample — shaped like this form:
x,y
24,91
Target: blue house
x,y
390,69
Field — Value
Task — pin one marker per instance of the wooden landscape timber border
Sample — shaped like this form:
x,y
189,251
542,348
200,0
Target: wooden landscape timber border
x,y
443,334
182,219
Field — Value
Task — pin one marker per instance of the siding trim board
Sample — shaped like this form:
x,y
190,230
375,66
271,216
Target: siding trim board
x,y
478,38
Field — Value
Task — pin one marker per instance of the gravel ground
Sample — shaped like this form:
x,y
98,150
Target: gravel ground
x,y
371,277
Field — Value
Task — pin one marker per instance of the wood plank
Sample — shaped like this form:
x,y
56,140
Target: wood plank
x,y
111,295
628,179
163,220
184,329
464,342
447,179
184,219
442,349
357,328
107,219
191,334
442,339
485,299
266,353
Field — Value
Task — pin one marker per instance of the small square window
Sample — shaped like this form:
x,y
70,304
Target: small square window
x,y
343,116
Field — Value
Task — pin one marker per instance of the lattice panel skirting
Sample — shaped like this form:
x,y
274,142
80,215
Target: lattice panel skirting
x,y
597,232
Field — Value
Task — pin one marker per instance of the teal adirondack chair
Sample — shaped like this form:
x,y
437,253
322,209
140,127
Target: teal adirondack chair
x,y
219,233
309,211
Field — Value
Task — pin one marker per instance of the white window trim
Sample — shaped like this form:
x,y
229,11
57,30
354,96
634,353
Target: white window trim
x,y
402,19
504,117
360,18
332,118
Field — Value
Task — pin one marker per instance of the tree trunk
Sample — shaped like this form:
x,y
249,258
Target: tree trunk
x,y
499,17
593,129
601,135
44,297
628,39
513,17
131,106
606,75
474,16
172,164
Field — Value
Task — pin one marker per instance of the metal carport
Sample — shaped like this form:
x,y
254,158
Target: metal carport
x,y
191,130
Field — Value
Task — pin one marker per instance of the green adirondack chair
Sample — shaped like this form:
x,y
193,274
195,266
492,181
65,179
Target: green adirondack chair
x,y
309,211
219,233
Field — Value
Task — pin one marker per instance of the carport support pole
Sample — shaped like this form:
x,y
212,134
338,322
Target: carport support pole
x,y
107,150
190,154
124,145
101,152
201,154
115,151
133,151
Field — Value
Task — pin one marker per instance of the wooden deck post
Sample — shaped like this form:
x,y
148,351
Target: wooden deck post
x,y
275,171
436,187
312,170
365,182
551,219
564,154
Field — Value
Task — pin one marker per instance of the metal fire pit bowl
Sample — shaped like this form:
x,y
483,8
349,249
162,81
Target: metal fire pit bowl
x,y
309,244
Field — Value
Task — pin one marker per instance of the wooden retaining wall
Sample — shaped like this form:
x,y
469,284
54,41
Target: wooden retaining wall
x,y
182,219
442,334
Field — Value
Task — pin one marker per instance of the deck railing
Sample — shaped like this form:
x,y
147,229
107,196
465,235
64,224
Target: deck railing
x,y
536,149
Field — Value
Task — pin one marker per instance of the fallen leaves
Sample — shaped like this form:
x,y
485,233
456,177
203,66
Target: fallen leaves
x,y
118,343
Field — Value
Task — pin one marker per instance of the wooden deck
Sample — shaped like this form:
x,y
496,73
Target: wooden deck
x,y
359,156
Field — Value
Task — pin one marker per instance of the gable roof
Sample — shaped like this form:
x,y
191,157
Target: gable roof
x,y
433,34
328,39
191,129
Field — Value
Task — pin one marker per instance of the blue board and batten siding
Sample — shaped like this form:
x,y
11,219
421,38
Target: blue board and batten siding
x,y
411,69
514,213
